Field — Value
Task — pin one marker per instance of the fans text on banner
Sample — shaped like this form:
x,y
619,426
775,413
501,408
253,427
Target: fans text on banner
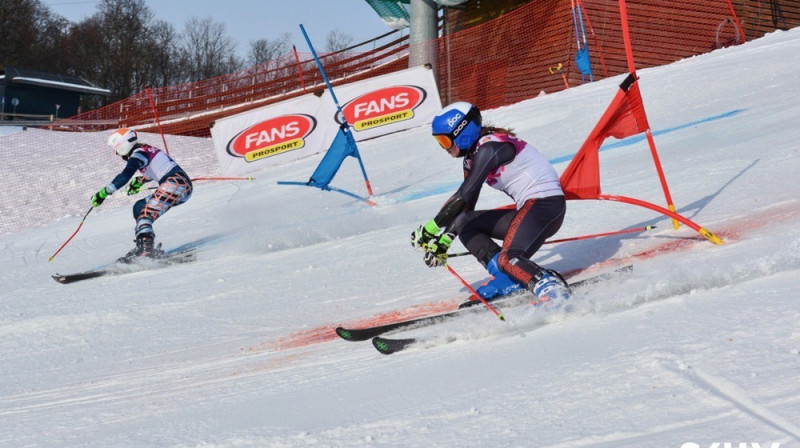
x,y
270,135
388,103
300,127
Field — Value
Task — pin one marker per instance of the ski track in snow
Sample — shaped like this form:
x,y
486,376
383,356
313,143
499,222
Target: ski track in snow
x,y
730,234
699,343
737,397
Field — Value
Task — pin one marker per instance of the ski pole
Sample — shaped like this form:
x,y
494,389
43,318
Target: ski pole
x,y
557,69
576,238
223,178
475,293
598,235
71,236
195,179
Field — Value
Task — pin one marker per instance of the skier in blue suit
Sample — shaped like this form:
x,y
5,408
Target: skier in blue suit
x,y
495,156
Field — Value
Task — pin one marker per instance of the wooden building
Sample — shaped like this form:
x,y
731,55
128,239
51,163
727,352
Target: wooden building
x,y
30,94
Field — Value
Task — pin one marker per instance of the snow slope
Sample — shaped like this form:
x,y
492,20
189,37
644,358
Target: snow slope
x,y
700,344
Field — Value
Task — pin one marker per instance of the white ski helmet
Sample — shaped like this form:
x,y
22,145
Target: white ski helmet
x,y
122,141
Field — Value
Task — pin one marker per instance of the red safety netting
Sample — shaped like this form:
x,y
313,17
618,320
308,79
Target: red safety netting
x,y
499,62
189,109
502,61
516,56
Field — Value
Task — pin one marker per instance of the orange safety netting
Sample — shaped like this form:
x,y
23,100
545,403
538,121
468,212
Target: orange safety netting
x,y
496,63
508,59
189,109
502,61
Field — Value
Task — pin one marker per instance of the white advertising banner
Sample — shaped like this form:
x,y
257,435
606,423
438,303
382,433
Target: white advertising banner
x,y
388,103
303,126
271,135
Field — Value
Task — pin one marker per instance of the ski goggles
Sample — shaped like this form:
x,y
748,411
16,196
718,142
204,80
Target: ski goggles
x,y
447,141
444,140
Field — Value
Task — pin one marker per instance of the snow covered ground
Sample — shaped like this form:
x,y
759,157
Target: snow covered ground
x,y
8,130
699,345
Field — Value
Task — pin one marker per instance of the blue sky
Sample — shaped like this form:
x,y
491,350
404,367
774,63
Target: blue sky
x,y
248,20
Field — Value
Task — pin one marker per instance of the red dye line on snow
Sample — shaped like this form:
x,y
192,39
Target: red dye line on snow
x,y
326,332
731,233
661,249
282,362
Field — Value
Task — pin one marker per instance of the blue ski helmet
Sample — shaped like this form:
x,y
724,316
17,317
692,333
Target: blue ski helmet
x,y
457,124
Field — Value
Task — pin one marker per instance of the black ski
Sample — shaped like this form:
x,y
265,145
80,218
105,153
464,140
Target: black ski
x,y
389,346
72,278
124,266
363,334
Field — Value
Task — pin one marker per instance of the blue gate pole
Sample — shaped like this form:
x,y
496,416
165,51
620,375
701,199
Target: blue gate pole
x,y
346,125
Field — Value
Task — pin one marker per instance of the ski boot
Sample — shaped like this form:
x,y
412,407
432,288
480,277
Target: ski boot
x,y
549,286
501,285
145,248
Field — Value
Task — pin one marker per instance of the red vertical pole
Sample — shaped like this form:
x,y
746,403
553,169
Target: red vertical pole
x,y
623,11
626,36
596,40
299,68
736,19
158,122
661,177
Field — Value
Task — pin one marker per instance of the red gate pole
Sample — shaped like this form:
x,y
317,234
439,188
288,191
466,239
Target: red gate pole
x,y
158,122
701,230
596,40
623,11
299,68
736,19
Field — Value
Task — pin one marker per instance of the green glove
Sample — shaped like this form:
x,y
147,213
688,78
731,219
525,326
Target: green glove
x,y
99,197
436,252
424,234
135,185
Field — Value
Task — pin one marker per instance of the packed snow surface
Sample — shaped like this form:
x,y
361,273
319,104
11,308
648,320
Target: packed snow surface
x,y
699,344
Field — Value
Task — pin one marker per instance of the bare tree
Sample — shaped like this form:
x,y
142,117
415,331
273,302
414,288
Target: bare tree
x,y
125,26
30,35
337,41
83,46
49,42
333,61
162,56
124,49
207,52
264,50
